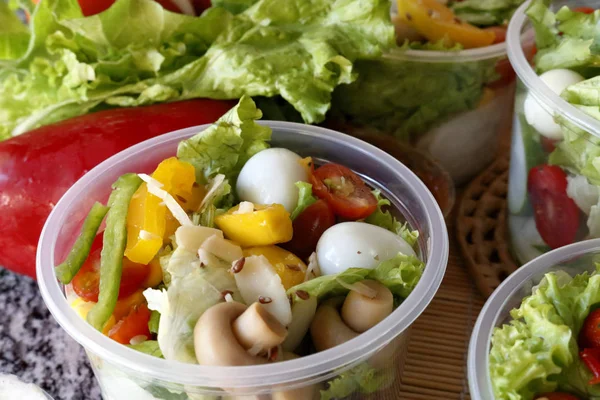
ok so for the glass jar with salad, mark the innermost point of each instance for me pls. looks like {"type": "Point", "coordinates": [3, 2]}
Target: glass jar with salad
{"type": "Point", "coordinates": [244, 260]}
{"type": "Point", "coordinates": [447, 87]}
{"type": "Point", "coordinates": [554, 185]}
{"type": "Point", "coordinates": [538, 335]}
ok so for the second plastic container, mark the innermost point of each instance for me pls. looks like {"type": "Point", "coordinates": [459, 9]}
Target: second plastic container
{"type": "Point", "coordinates": [126, 374]}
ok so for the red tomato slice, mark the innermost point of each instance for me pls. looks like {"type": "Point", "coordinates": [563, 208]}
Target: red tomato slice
{"type": "Point", "coordinates": [134, 324]}
{"type": "Point", "coordinates": [86, 282]}
{"type": "Point", "coordinates": [348, 196]}
{"type": "Point", "coordinates": [506, 72]}
{"type": "Point", "coordinates": [589, 337]}
{"type": "Point", "coordinates": [308, 228]}
{"type": "Point", "coordinates": [556, 396]}
{"type": "Point", "coordinates": [556, 214]}
{"type": "Point", "coordinates": [548, 145]}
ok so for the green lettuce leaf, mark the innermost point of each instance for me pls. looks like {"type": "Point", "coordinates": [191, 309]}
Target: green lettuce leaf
{"type": "Point", "coordinates": [406, 98]}
{"type": "Point", "coordinates": [538, 352]}
{"type": "Point", "coordinates": [362, 379]}
{"type": "Point", "coordinates": [73, 65]}
{"type": "Point", "coordinates": [14, 36]}
{"type": "Point", "coordinates": [485, 12]}
{"type": "Point", "coordinates": [305, 198]}
{"type": "Point", "coordinates": [383, 218]}
{"type": "Point", "coordinates": [234, 6]}
{"type": "Point", "coordinates": [149, 347]}
{"type": "Point", "coordinates": [400, 274]}
{"type": "Point", "coordinates": [154, 321]}
{"type": "Point", "coordinates": [192, 290]}
{"type": "Point", "coordinates": [225, 146]}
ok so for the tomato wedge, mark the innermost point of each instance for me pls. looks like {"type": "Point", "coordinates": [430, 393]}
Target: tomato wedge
{"type": "Point", "coordinates": [86, 282]}
{"type": "Point", "coordinates": [134, 324]}
{"type": "Point", "coordinates": [344, 191]}
{"type": "Point", "coordinates": [590, 333]}
{"type": "Point", "coordinates": [585, 10]}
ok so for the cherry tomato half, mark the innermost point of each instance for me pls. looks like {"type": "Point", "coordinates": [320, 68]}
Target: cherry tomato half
{"type": "Point", "coordinates": [556, 396]}
{"type": "Point", "coordinates": [92, 7]}
{"type": "Point", "coordinates": [308, 228]}
{"type": "Point", "coordinates": [556, 214]}
{"type": "Point", "coordinates": [590, 333]}
{"type": "Point", "coordinates": [86, 282]}
{"type": "Point", "coordinates": [134, 324]}
{"type": "Point", "coordinates": [548, 145]}
{"type": "Point", "coordinates": [348, 196]}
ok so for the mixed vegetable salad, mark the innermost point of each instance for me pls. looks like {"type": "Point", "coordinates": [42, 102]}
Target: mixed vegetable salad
{"type": "Point", "coordinates": [554, 191]}
{"type": "Point", "coordinates": [407, 94]}
{"type": "Point", "coordinates": [551, 347]}
{"type": "Point", "coordinates": [235, 253]}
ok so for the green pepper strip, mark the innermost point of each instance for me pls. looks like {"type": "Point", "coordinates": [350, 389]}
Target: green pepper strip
{"type": "Point", "coordinates": [111, 258]}
{"type": "Point", "coordinates": [81, 249]}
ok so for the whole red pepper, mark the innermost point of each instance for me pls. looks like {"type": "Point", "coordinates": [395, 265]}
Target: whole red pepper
{"type": "Point", "coordinates": [38, 167]}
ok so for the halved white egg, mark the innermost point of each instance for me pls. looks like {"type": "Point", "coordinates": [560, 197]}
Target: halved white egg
{"type": "Point", "coordinates": [357, 245]}
{"type": "Point", "coordinates": [540, 119]}
{"type": "Point", "coordinates": [270, 177]}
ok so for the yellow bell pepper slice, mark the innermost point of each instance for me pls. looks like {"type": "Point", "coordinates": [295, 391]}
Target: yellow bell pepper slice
{"type": "Point", "coordinates": [290, 268]}
{"type": "Point", "coordinates": [264, 226]}
{"type": "Point", "coordinates": [147, 213]}
{"type": "Point", "coordinates": [436, 22]}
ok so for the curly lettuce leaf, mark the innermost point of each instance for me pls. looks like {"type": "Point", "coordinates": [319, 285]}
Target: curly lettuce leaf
{"type": "Point", "coordinates": [14, 36]}
{"type": "Point", "coordinates": [406, 98]}
{"type": "Point", "coordinates": [400, 274]}
{"type": "Point", "coordinates": [73, 65]}
{"type": "Point", "coordinates": [383, 218]}
{"type": "Point", "coordinates": [149, 347]}
{"type": "Point", "coordinates": [485, 12]}
{"type": "Point", "coordinates": [305, 198]}
{"type": "Point", "coordinates": [538, 352]}
{"type": "Point", "coordinates": [225, 146]}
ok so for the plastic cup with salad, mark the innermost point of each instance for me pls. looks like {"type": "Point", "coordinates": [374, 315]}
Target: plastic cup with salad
{"type": "Point", "coordinates": [538, 336]}
{"type": "Point", "coordinates": [272, 260]}
{"type": "Point", "coordinates": [554, 184]}
{"type": "Point", "coordinates": [447, 87]}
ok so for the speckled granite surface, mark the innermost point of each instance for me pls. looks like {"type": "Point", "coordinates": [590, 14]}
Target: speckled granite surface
{"type": "Point", "coordinates": [35, 348]}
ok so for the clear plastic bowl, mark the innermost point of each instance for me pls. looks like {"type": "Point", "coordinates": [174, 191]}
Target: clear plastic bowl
{"type": "Point", "coordinates": [574, 259]}
{"type": "Point", "coordinates": [126, 374]}
{"type": "Point", "coordinates": [471, 120]}
{"type": "Point", "coordinates": [527, 148]}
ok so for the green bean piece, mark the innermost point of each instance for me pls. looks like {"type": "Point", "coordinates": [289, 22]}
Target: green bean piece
{"type": "Point", "coordinates": [111, 258]}
{"type": "Point", "coordinates": [81, 249]}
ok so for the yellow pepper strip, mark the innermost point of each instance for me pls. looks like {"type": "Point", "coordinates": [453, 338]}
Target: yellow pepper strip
{"type": "Point", "coordinates": [155, 276]}
{"type": "Point", "coordinates": [290, 268]}
{"type": "Point", "coordinates": [264, 226]}
{"type": "Point", "coordinates": [436, 22]}
{"type": "Point", "coordinates": [147, 213]}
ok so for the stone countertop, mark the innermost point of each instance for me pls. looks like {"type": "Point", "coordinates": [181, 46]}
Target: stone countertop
{"type": "Point", "coordinates": [35, 348]}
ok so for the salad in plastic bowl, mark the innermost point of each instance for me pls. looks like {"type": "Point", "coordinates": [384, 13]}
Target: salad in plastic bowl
{"type": "Point", "coordinates": [238, 254]}
{"type": "Point", "coordinates": [554, 192]}
{"type": "Point", "coordinates": [538, 335]}
{"type": "Point", "coordinates": [447, 87]}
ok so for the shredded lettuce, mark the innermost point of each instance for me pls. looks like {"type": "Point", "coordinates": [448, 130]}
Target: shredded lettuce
{"type": "Point", "coordinates": [384, 219]}
{"type": "Point", "coordinates": [485, 12]}
{"type": "Point", "coordinates": [362, 379]}
{"type": "Point", "coordinates": [538, 352]}
{"type": "Point", "coordinates": [149, 347]}
{"type": "Point", "coordinates": [305, 198]}
{"type": "Point", "coordinates": [400, 274]}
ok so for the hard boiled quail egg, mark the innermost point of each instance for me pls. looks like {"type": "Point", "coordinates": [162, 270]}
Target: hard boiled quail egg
{"type": "Point", "coordinates": [357, 245]}
{"type": "Point", "coordinates": [557, 80]}
{"type": "Point", "coordinates": [270, 177]}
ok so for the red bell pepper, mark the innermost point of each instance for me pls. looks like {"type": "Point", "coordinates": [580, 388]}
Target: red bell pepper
{"type": "Point", "coordinates": [38, 167]}
{"type": "Point", "coordinates": [591, 358]}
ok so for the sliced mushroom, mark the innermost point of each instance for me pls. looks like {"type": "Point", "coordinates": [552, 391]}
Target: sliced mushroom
{"type": "Point", "coordinates": [361, 313]}
{"type": "Point", "coordinates": [257, 329]}
{"type": "Point", "coordinates": [329, 329]}
{"type": "Point", "coordinates": [308, 392]}
{"type": "Point", "coordinates": [216, 343]}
